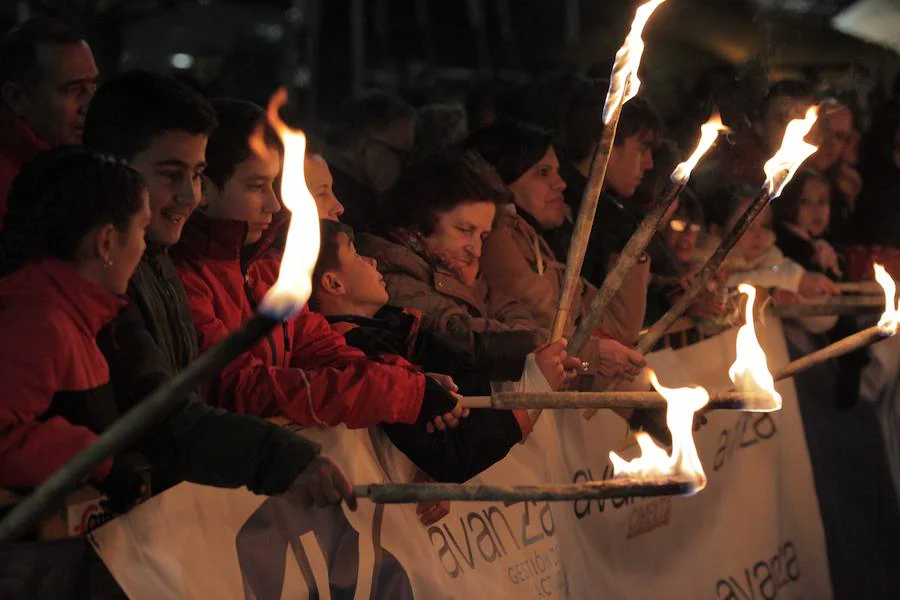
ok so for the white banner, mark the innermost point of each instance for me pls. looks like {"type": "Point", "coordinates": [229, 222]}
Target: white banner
{"type": "Point", "coordinates": [755, 532]}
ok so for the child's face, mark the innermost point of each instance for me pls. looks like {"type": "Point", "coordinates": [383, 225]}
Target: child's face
{"type": "Point", "coordinates": [365, 285]}
{"type": "Point", "coordinates": [682, 236]}
{"type": "Point", "coordinates": [759, 238]}
{"type": "Point", "coordinates": [814, 211]}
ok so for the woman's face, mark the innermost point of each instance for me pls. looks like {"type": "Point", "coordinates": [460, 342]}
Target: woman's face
{"type": "Point", "coordinates": [814, 210]}
{"type": "Point", "coordinates": [539, 192]}
{"type": "Point", "coordinates": [682, 235]}
{"type": "Point", "coordinates": [126, 249]}
{"type": "Point", "coordinates": [459, 234]}
{"type": "Point", "coordinates": [249, 195]}
{"type": "Point", "coordinates": [320, 182]}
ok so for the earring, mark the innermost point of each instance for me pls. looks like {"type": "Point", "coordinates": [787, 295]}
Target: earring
{"type": "Point", "coordinates": [107, 263]}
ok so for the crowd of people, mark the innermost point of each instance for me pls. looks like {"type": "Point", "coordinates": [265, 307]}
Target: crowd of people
{"type": "Point", "coordinates": [139, 227]}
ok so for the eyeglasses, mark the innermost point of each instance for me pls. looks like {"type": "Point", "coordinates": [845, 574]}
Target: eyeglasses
{"type": "Point", "coordinates": [681, 225]}
{"type": "Point", "coordinates": [402, 155]}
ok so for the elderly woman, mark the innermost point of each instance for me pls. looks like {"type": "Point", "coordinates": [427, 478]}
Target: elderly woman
{"type": "Point", "coordinates": [436, 220]}
{"type": "Point", "coordinates": [517, 259]}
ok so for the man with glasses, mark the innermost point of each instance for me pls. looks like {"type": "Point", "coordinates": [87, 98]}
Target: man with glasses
{"type": "Point", "coordinates": [367, 152]}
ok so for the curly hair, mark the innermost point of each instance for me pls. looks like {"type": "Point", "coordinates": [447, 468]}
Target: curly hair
{"type": "Point", "coordinates": [438, 184]}
{"type": "Point", "coordinates": [60, 196]}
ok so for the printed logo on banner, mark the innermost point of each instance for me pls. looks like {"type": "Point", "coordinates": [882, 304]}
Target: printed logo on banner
{"type": "Point", "coordinates": [494, 537]}
{"type": "Point", "coordinates": [763, 578]}
{"type": "Point", "coordinates": [749, 429]}
{"type": "Point", "coordinates": [582, 508]}
{"type": "Point", "coordinates": [276, 530]}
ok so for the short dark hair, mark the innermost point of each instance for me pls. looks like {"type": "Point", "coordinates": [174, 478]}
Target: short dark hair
{"type": "Point", "coordinates": [689, 206]}
{"type": "Point", "coordinates": [18, 48]}
{"type": "Point", "coordinates": [439, 183]}
{"type": "Point", "coordinates": [371, 112]}
{"type": "Point", "coordinates": [58, 197]}
{"type": "Point", "coordinates": [638, 116]}
{"type": "Point", "coordinates": [328, 255]}
{"type": "Point", "coordinates": [510, 147]}
{"type": "Point", "coordinates": [788, 204]}
{"type": "Point", "coordinates": [229, 143]}
{"type": "Point", "coordinates": [131, 109]}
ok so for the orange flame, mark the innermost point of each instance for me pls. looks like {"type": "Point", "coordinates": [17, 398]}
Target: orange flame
{"type": "Point", "coordinates": [750, 371]}
{"type": "Point", "coordinates": [890, 319]}
{"type": "Point", "coordinates": [294, 284]}
{"type": "Point", "coordinates": [623, 82]}
{"type": "Point", "coordinates": [654, 461]}
{"type": "Point", "coordinates": [709, 132]}
{"type": "Point", "coordinates": [782, 166]}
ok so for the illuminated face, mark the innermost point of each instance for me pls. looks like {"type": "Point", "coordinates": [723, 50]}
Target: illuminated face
{"type": "Point", "coordinates": [814, 207]}
{"type": "Point", "coordinates": [539, 192]}
{"type": "Point", "coordinates": [319, 182]}
{"type": "Point", "coordinates": [249, 195]}
{"type": "Point", "coordinates": [172, 167]}
{"type": "Point", "coordinates": [460, 233]}
{"type": "Point", "coordinates": [126, 250]}
{"type": "Point", "coordinates": [364, 285]}
{"type": "Point", "coordinates": [682, 234]}
{"type": "Point", "coordinates": [759, 238]}
{"type": "Point", "coordinates": [55, 98]}
{"type": "Point", "coordinates": [628, 163]}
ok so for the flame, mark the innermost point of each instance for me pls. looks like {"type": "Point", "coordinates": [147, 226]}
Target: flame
{"type": "Point", "coordinates": [294, 284]}
{"type": "Point", "coordinates": [654, 461]}
{"type": "Point", "coordinates": [623, 82]}
{"type": "Point", "coordinates": [750, 371]}
{"type": "Point", "coordinates": [890, 319]}
{"type": "Point", "coordinates": [782, 166]}
{"type": "Point", "coordinates": [709, 132]}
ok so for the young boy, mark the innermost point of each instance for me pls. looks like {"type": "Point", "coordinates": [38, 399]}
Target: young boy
{"type": "Point", "coordinates": [350, 292]}
{"type": "Point", "coordinates": [161, 128]}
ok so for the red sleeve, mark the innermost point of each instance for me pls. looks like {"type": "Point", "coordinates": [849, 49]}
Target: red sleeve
{"type": "Point", "coordinates": [34, 358]}
{"type": "Point", "coordinates": [328, 383]}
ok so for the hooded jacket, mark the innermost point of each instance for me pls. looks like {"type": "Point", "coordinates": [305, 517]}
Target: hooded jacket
{"type": "Point", "coordinates": [56, 393]}
{"type": "Point", "coordinates": [481, 439]}
{"type": "Point", "coordinates": [18, 145]}
{"type": "Point", "coordinates": [490, 327]}
{"type": "Point", "coordinates": [304, 370]}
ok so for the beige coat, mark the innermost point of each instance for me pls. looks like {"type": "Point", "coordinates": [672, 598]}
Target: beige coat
{"type": "Point", "coordinates": [518, 262]}
{"type": "Point", "coordinates": [506, 331]}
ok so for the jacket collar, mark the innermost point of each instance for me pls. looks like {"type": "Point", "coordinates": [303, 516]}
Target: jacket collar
{"type": "Point", "coordinates": [91, 306]}
{"type": "Point", "coordinates": [18, 141]}
{"type": "Point", "coordinates": [223, 239]}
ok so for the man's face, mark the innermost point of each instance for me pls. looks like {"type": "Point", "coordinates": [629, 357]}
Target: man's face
{"type": "Point", "coordinates": [172, 166]}
{"type": "Point", "coordinates": [54, 99]}
{"type": "Point", "coordinates": [363, 284]}
{"type": "Point", "coordinates": [383, 154]}
{"type": "Point", "coordinates": [780, 112]}
{"type": "Point", "coordinates": [628, 162]}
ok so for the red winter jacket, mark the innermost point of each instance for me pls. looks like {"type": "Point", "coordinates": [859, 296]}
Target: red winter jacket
{"type": "Point", "coordinates": [18, 145]}
{"type": "Point", "coordinates": [50, 366]}
{"type": "Point", "coordinates": [303, 370]}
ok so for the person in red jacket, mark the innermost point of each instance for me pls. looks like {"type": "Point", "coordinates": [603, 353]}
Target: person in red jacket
{"type": "Point", "coordinates": [71, 240]}
{"type": "Point", "coordinates": [304, 371]}
{"type": "Point", "coordinates": [47, 80]}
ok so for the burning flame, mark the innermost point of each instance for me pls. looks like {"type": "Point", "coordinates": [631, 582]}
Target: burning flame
{"type": "Point", "coordinates": [782, 166]}
{"type": "Point", "coordinates": [709, 132]}
{"type": "Point", "coordinates": [654, 461]}
{"type": "Point", "coordinates": [890, 319]}
{"type": "Point", "coordinates": [623, 82]}
{"type": "Point", "coordinates": [750, 371]}
{"type": "Point", "coordinates": [294, 284]}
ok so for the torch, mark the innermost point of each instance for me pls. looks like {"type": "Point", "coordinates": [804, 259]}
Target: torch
{"type": "Point", "coordinates": [286, 298]}
{"type": "Point", "coordinates": [887, 327]}
{"type": "Point", "coordinates": [779, 171]}
{"type": "Point", "coordinates": [636, 246]}
{"type": "Point", "coordinates": [623, 85]}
